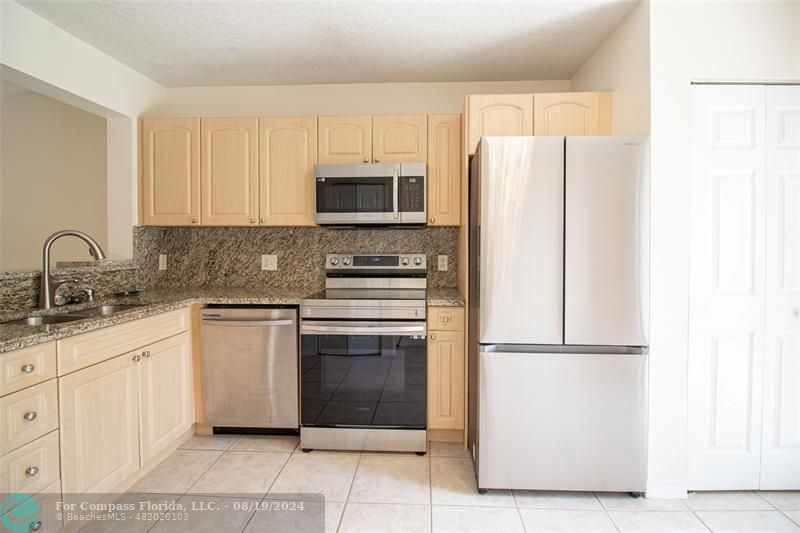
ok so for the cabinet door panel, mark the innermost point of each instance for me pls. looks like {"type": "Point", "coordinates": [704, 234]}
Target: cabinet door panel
{"type": "Point", "coordinates": [165, 389]}
{"type": "Point", "coordinates": [498, 114]}
{"type": "Point", "coordinates": [229, 171]}
{"type": "Point", "coordinates": [170, 171]}
{"type": "Point", "coordinates": [287, 154]}
{"type": "Point", "coordinates": [345, 139]}
{"type": "Point", "coordinates": [400, 138]}
{"type": "Point", "coordinates": [99, 428]}
{"type": "Point", "coordinates": [446, 380]}
{"type": "Point", "coordinates": [444, 170]}
{"type": "Point", "coordinates": [572, 113]}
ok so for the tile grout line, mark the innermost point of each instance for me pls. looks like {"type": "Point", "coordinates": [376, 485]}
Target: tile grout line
{"type": "Point", "coordinates": [697, 516]}
{"type": "Point", "coordinates": [266, 493]}
{"type": "Point", "coordinates": [204, 472]}
{"type": "Point", "coordinates": [605, 510]}
{"type": "Point", "coordinates": [789, 518]}
{"type": "Point", "coordinates": [350, 488]}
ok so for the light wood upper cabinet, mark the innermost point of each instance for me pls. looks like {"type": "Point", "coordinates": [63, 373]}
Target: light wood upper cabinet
{"type": "Point", "coordinates": [498, 114]}
{"type": "Point", "coordinates": [229, 171]}
{"type": "Point", "coordinates": [444, 170]}
{"type": "Point", "coordinates": [446, 380]}
{"type": "Point", "coordinates": [400, 138]}
{"type": "Point", "coordinates": [572, 113]}
{"type": "Point", "coordinates": [165, 393]}
{"type": "Point", "coordinates": [170, 171]}
{"type": "Point", "coordinates": [287, 154]}
{"type": "Point", "coordinates": [345, 139]}
{"type": "Point", "coordinates": [99, 410]}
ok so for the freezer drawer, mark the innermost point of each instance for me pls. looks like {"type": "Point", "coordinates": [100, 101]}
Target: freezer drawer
{"type": "Point", "coordinates": [562, 421]}
{"type": "Point", "coordinates": [606, 241]}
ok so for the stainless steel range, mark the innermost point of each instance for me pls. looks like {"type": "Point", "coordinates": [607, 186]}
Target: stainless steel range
{"type": "Point", "coordinates": [364, 355]}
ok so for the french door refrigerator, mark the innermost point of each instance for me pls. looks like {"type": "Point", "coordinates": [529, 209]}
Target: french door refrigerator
{"type": "Point", "coordinates": [558, 329]}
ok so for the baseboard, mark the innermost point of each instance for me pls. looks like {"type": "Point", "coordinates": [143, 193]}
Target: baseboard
{"type": "Point", "coordinates": [446, 435]}
{"type": "Point", "coordinates": [667, 489]}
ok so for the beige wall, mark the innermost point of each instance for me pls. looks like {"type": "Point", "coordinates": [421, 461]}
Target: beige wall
{"type": "Point", "coordinates": [335, 99]}
{"type": "Point", "coordinates": [622, 65]}
{"type": "Point", "coordinates": [52, 176]}
{"type": "Point", "coordinates": [746, 41]}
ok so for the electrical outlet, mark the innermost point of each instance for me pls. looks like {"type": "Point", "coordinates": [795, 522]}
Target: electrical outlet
{"type": "Point", "coordinates": [269, 262]}
{"type": "Point", "coordinates": [162, 261]}
{"type": "Point", "coordinates": [441, 263]}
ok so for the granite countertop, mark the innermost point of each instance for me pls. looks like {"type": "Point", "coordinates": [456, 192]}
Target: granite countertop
{"type": "Point", "coordinates": [445, 298]}
{"type": "Point", "coordinates": [158, 301]}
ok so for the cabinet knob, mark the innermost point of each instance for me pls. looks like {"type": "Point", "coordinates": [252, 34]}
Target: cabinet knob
{"type": "Point", "coordinates": [262, 220]}
{"type": "Point", "coordinates": [146, 353]}
{"type": "Point", "coordinates": [35, 526]}
{"type": "Point", "coordinates": [252, 221]}
{"type": "Point", "coordinates": [136, 358]}
{"type": "Point", "coordinates": [28, 369]}
{"type": "Point", "coordinates": [31, 471]}
{"type": "Point", "coordinates": [445, 319]}
{"type": "Point", "coordinates": [433, 220]}
{"type": "Point", "coordinates": [433, 336]}
{"type": "Point", "coordinates": [366, 160]}
{"type": "Point", "coordinates": [377, 160]}
{"type": "Point", "coordinates": [194, 221]}
{"type": "Point", "coordinates": [30, 416]}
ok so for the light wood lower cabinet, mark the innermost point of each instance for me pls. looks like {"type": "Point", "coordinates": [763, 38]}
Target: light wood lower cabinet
{"type": "Point", "coordinates": [446, 366]}
{"type": "Point", "coordinates": [117, 414]}
{"type": "Point", "coordinates": [165, 394]}
{"type": "Point", "coordinates": [99, 408]}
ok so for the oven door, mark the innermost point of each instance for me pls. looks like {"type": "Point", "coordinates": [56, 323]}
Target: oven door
{"type": "Point", "coordinates": [363, 374]}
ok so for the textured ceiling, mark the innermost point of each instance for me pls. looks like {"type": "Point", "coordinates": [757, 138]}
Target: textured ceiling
{"type": "Point", "coordinates": [268, 42]}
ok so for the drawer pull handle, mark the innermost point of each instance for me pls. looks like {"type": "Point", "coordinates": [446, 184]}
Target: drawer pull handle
{"type": "Point", "coordinates": [28, 369]}
{"type": "Point", "coordinates": [35, 526]}
{"type": "Point", "coordinates": [31, 471]}
{"type": "Point", "coordinates": [30, 416]}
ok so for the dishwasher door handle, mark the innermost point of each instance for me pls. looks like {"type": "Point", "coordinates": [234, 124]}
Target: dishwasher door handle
{"type": "Point", "coordinates": [247, 323]}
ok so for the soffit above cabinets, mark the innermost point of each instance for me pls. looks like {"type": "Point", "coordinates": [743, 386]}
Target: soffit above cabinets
{"type": "Point", "coordinates": [303, 42]}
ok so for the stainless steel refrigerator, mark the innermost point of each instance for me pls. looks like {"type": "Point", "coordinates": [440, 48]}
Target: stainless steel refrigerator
{"type": "Point", "coordinates": [558, 328]}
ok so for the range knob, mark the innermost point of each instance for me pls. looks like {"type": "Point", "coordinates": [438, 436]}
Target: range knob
{"type": "Point", "coordinates": [404, 261]}
{"type": "Point", "coordinates": [346, 260]}
{"type": "Point", "coordinates": [418, 261]}
{"type": "Point", "coordinates": [334, 261]}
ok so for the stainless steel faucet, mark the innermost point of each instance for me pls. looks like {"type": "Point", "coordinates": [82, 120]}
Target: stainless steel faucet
{"type": "Point", "coordinates": [48, 289]}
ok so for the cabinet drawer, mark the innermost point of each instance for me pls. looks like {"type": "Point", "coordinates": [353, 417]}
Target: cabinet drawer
{"type": "Point", "coordinates": [445, 319]}
{"type": "Point", "coordinates": [84, 350]}
{"type": "Point", "coordinates": [27, 415]}
{"type": "Point", "coordinates": [26, 367]}
{"type": "Point", "coordinates": [32, 468]}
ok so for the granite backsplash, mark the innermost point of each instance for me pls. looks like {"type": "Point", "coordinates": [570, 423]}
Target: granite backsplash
{"type": "Point", "coordinates": [19, 290]}
{"type": "Point", "coordinates": [231, 256]}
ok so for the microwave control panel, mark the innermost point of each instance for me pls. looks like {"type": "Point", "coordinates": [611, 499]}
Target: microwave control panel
{"type": "Point", "coordinates": [412, 194]}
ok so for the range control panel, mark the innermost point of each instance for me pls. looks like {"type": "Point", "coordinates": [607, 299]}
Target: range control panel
{"type": "Point", "coordinates": [378, 261]}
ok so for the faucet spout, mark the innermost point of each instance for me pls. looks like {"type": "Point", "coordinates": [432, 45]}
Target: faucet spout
{"type": "Point", "coordinates": [48, 288]}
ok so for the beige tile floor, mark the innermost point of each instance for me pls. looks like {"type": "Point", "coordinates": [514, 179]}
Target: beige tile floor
{"type": "Point", "coordinates": [371, 492]}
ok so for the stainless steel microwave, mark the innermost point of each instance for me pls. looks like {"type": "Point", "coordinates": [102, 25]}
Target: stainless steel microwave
{"type": "Point", "coordinates": [376, 194]}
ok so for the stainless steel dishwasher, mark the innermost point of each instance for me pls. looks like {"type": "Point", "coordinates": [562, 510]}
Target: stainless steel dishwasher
{"type": "Point", "coordinates": [249, 361]}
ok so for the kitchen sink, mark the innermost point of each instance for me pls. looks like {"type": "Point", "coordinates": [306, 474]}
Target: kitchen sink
{"type": "Point", "coordinates": [103, 310]}
{"type": "Point", "coordinates": [44, 320]}
{"type": "Point", "coordinates": [100, 310]}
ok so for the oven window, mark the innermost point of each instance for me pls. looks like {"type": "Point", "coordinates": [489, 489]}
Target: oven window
{"type": "Point", "coordinates": [363, 380]}
{"type": "Point", "coordinates": [355, 195]}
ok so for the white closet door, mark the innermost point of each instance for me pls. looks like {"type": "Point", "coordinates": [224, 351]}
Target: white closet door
{"type": "Point", "coordinates": [726, 339]}
{"type": "Point", "coordinates": [780, 464]}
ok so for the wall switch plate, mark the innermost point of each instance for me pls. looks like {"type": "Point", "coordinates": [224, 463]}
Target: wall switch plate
{"type": "Point", "coordinates": [441, 263]}
{"type": "Point", "coordinates": [269, 262]}
{"type": "Point", "coordinates": [162, 261]}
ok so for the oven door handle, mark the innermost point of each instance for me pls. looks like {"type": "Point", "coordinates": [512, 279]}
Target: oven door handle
{"type": "Point", "coordinates": [363, 330]}
{"type": "Point", "coordinates": [396, 193]}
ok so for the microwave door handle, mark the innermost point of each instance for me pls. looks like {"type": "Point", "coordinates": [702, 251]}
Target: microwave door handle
{"type": "Point", "coordinates": [396, 193]}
